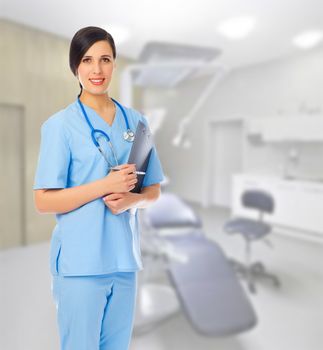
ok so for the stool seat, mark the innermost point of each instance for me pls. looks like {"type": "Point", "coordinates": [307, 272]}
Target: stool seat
{"type": "Point", "coordinates": [251, 229]}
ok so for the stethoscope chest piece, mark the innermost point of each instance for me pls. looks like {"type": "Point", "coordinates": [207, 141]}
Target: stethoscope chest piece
{"type": "Point", "coordinates": [129, 135]}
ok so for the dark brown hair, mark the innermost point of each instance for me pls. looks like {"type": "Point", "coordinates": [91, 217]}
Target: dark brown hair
{"type": "Point", "coordinates": [83, 40]}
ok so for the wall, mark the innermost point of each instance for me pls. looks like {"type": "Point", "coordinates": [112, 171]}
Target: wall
{"type": "Point", "coordinates": [35, 76]}
{"type": "Point", "coordinates": [288, 86]}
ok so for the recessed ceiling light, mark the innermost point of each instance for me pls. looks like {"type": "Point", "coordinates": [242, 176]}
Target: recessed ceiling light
{"type": "Point", "coordinates": [308, 39]}
{"type": "Point", "coordinates": [119, 34]}
{"type": "Point", "coordinates": [237, 27]}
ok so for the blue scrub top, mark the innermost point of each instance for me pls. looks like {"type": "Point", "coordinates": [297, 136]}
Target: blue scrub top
{"type": "Point", "coordinates": [90, 240]}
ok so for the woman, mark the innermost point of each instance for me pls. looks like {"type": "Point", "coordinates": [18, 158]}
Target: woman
{"type": "Point", "coordinates": [95, 250]}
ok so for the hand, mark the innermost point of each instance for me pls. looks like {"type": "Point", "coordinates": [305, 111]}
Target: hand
{"type": "Point", "coordinates": [122, 180]}
{"type": "Point", "coordinates": [120, 202]}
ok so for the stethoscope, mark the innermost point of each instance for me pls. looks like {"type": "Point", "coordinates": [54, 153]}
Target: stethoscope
{"type": "Point", "coordinates": [128, 135]}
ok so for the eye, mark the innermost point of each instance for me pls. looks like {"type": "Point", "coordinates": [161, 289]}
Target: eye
{"type": "Point", "coordinates": [86, 60]}
{"type": "Point", "coordinates": [106, 59]}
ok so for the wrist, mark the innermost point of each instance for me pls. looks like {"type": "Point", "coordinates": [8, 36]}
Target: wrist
{"type": "Point", "coordinates": [137, 199]}
{"type": "Point", "coordinates": [103, 186]}
{"type": "Point", "coordinates": [131, 200]}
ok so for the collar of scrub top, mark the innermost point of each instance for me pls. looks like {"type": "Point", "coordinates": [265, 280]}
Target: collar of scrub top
{"type": "Point", "coordinates": [128, 135]}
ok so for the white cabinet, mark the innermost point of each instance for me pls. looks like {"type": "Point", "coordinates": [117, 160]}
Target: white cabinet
{"type": "Point", "coordinates": [280, 129]}
{"type": "Point", "coordinates": [298, 204]}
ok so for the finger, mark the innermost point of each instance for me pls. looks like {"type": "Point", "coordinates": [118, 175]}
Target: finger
{"type": "Point", "coordinates": [112, 196]}
{"type": "Point", "coordinates": [126, 166]}
{"type": "Point", "coordinates": [111, 204]}
{"type": "Point", "coordinates": [107, 198]}
{"type": "Point", "coordinates": [112, 201]}
{"type": "Point", "coordinates": [132, 177]}
{"type": "Point", "coordinates": [122, 166]}
{"type": "Point", "coordinates": [130, 168]}
{"type": "Point", "coordinates": [133, 167]}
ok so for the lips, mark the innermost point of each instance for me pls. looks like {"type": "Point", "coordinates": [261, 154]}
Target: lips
{"type": "Point", "coordinates": [97, 81]}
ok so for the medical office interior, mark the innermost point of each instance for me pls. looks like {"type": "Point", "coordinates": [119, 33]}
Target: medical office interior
{"type": "Point", "coordinates": [233, 92]}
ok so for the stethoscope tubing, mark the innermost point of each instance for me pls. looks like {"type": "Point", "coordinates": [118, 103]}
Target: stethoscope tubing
{"type": "Point", "coordinates": [128, 135]}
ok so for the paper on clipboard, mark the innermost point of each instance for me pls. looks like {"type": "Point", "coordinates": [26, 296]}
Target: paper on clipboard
{"type": "Point", "coordinates": [140, 152]}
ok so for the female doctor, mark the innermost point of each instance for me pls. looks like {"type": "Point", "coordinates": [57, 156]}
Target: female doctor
{"type": "Point", "coordinates": [95, 249]}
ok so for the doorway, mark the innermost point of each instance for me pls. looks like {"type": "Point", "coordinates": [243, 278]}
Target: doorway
{"type": "Point", "coordinates": [225, 159]}
{"type": "Point", "coordinates": [12, 202]}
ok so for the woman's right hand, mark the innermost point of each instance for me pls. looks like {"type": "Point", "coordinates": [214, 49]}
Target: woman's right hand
{"type": "Point", "coordinates": [122, 180]}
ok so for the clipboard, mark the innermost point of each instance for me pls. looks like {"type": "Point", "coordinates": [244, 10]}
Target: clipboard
{"type": "Point", "coordinates": [140, 152]}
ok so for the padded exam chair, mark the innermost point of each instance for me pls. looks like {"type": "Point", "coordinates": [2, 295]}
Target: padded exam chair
{"type": "Point", "coordinates": [252, 230]}
{"type": "Point", "coordinates": [205, 282]}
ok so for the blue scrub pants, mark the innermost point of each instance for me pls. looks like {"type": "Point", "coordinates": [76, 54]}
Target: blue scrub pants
{"type": "Point", "coordinates": [95, 312]}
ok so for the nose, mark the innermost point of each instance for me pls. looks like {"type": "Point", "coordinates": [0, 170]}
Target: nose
{"type": "Point", "coordinates": [97, 67]}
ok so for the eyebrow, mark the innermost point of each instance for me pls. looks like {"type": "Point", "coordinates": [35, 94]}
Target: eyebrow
{"type": "Point", "coordinates": [101, 56]}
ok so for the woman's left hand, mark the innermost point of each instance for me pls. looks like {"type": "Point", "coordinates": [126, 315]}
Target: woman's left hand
{"type": "Point", "coordinates": [120, 202]}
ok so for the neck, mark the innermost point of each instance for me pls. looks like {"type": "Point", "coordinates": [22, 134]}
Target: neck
{"type": "Point", "coordinates": [97, 102]}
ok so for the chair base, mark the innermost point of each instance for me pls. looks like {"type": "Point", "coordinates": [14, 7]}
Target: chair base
{"type": "Point", "coordinates": [252, 273]}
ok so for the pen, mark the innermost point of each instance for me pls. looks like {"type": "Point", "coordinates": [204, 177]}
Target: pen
{"type": "Point", "coordinates": [136, 172]}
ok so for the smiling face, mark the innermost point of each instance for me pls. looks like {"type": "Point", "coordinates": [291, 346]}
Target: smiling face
{"type": "Point", "coordinates": [96, 67]}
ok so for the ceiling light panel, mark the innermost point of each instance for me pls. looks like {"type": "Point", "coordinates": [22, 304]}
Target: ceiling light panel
{"type": "Point", "coordinates": [308, 39]}
{"type": "Point", "coordinates": [237, 27]}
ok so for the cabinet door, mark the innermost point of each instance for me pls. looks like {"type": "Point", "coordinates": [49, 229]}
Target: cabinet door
{"type": "Point", "coordinates": [287, 204]}
{"type": "Point", "coordinates": [310, 216]}
{"type": "Point", "coordinates": [312, 129]}
{"type": "Point", "coordinates": [11, 177]}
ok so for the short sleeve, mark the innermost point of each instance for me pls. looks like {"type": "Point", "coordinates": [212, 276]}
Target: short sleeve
{"type": "Point", "coordinates": [154, 172]}
{"type": "Point", "coordinates": [54, 156]}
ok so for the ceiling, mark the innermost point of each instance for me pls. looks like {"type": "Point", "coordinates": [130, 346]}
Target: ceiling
{"type": "Point", "coordinates": [192, 22]}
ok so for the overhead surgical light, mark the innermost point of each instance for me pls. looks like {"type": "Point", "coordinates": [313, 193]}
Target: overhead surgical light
{"type": "Point", "coordinates": [308, 39]}
{"type": "Point", "coordinates": [165, 65]}
{"type": "Point", "coordinates": [237, 27]}
{"type": "Point", "coordinates": [168, 64]}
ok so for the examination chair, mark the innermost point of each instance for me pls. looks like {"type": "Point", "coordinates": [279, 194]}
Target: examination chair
{"type": "Point", "coordinates": [252, 230]}
{"type": "Point", "coordinates": [205, 283]}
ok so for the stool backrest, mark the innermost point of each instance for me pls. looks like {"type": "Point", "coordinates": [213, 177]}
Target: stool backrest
{"type": "Point", "coordinates": [258, 199]}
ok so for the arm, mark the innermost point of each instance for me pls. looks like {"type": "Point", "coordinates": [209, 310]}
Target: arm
{"type": "Point", "coordinates": [148, 196]}
{"type": "Point", "coordinates": [64, 200]}
{"type": "Point", "coordinates": [120, 202]}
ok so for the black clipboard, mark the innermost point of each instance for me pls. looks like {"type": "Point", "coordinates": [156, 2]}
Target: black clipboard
{"type": "Point", "coordinates": [140, 152]}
